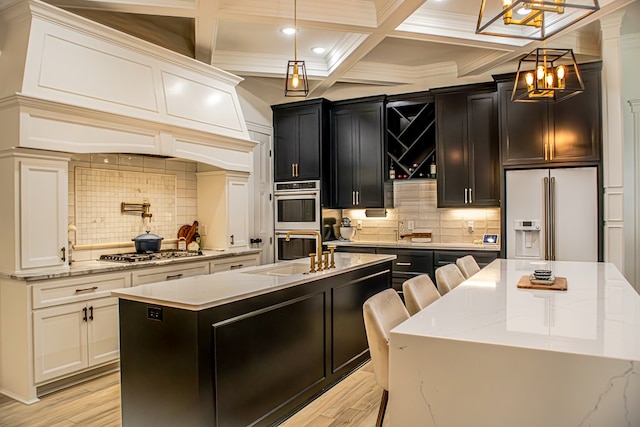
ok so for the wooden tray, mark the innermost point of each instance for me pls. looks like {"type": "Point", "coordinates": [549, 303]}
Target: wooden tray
{"type": "Point", "coordinates": [559, 285]}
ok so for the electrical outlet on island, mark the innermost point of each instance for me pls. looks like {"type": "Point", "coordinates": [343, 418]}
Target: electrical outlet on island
{"type": "Point", "coordinates": [410, 225]}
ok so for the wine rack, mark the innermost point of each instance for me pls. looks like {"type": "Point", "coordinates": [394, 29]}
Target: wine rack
{"type": "Point", "coordinates": [411, 138]}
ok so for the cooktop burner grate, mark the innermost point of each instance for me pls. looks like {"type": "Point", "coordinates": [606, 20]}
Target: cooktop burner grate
{"type": "Point", "coordinates": [151, 256]}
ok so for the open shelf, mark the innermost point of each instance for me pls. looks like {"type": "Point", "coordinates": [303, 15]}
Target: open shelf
{"type": "Point", "coordinates": [411, 137]}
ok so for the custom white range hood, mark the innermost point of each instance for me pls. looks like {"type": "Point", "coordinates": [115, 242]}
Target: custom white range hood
{"type": "Point", "coordinates": [72, 85]}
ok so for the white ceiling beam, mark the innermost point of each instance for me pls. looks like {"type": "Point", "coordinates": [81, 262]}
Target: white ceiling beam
{"type": "Point", "coordinates": [399, 15]}
{"type": "Point", "coordinates": [206, 31]}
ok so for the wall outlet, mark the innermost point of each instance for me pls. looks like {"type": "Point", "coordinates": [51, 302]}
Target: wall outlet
{"type": "Point", "coordinates": [410, 225]}
{"type": "Point", "coordinates": [359, 224]}
{"type": "Point", "coordinates": [203, 230]}
{"type": "Point", "coordinates": [470, 226]}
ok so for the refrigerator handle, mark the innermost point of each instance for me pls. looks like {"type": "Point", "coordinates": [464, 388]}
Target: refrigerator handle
{"type": "Point", "coordinates": [552, 216]}
{"type": "Point", "coordinates": [546, 225]}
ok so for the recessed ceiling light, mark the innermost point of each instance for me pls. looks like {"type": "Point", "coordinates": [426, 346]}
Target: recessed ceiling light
{"type": "Point", "coordinates": [318, 50]}
{"type": "Point", "coordinates": [288, 30]}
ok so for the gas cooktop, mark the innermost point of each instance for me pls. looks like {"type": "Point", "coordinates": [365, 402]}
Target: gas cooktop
{"type": "Point", "coordinates": [150, 256]}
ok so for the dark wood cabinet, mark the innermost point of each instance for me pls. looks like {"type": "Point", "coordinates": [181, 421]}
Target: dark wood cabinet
{"type": "Point", "coordinates": [300, 142]}
{"type": "Point", "coordinates": [357, 157]}
{"type": "Point", "coordinates": [253, 361]}
{"type": "Point", "coordinates": [468, 147]}
{"type": "Point", "coordinates": [566, 132]}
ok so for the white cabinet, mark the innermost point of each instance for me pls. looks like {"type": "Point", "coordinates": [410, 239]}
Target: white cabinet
{"type": "Point", "coordinates": [72, 337]}
{"type": "Point", "coordinates": [43, 208]}
{"type": "Point", "coordinates": [75, 324]}
{"type": "Point", "coordinates": [34, 212]}
{"type": "Point", "coordinates": [223, 209]}
{"type": "Point", "coordinates": [169, 272]}
{"type": "Point", "coordinates": [234, 263]}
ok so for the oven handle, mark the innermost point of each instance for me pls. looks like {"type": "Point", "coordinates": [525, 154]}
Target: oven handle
{"type": "Point", "coordinates": [314, 194]}
{"type": "Point", "coordinates": [304, 236]}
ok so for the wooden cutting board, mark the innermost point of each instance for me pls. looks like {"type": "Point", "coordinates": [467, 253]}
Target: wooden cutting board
{"type": "Point", "coordinates": [559, 285]}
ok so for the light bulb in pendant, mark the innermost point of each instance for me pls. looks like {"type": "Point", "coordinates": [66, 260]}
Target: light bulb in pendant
{"type": "Point", "coordinates": [295, 79]}
{"type": "Point", "coordinates": [549, 79]}
{"type": "Point", "coordinates": [529, 79]}
{"type": "Point", "coordinates": [540, 72]}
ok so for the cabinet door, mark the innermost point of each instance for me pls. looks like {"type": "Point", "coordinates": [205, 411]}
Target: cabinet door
{"type": "Point", "coordinates": [238, 212]}
{"type": "Point", "coordinates": [308, 144]}
{"type": "Point", "coordinates": [60, 341]}
{"type": "Point", "coordinates": [523, 132]}
{"type": "Point", "coordinates": [453, 169]}
{"type": "Point", "coordinates": [285, 144]}
{"type": "Point", "coordinates": [577, 124]}
{"type": "Point", "coordinates": [483, 150]}
{"type": "Point", "coordinates": [344, 159]}
{"type": "Point", "coordinates": [43, 207]}
{"type": "Point", "coordinates": [102, 340]}
{"type": "Point", "coordinates": [369, 148]}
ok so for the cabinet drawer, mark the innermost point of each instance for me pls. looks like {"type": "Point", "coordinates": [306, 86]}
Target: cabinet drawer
{"type": "Point", "coordinates": [483, 258]}
{"type": "Point", "coordinates": [169, 272]}
{"type": "Point", "coordinates": [63, 291]}
{"type": "Point", "coordinates": [234, 263]}
{"type": "Point", "coordinates": [409, 261]}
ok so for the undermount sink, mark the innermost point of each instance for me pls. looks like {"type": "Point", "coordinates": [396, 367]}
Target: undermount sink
{"type": "Point", "coordinates": [282, 270]}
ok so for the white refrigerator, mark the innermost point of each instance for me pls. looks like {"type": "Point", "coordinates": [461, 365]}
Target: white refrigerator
{"type": "Point", "coordinates": [552, 214]}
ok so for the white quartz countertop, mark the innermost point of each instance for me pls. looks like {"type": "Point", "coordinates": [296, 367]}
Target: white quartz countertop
{"type": "Point", "coordinates": [598, 315]}
{"type": "Point", "coordinates": [415, 245]}
{"type": "Point", "coordinates": [80, 268]}
{"type": "Point", "coordinates": [202, 292]}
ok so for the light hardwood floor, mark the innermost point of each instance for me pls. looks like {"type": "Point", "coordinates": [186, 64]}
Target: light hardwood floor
{"type": "Point", "coordinates": [352, 402]}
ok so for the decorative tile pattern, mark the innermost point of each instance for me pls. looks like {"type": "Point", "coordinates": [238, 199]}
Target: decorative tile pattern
{"type": "Point", "coordinates": [98, 183]}
{"type": "Point", "coordinates": [416, 201]}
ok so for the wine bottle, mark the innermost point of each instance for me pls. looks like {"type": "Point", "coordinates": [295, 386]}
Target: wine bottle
{"type": "Point", "coordinates": [432, 168]}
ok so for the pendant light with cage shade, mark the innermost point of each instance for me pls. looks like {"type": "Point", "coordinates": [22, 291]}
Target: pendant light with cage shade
{"type": "Point", "coordinates": [296, 83]}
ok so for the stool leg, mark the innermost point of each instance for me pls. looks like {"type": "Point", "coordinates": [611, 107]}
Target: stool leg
{"type": "Point", "coordinates": [383, 407]}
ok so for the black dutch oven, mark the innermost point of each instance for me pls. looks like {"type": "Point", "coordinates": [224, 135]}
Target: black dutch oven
{"type": "Point", "coordinates": [147, 242]}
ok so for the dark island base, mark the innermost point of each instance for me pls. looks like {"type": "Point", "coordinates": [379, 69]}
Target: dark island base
{"type": "Point", "coordinates": [251, 362]}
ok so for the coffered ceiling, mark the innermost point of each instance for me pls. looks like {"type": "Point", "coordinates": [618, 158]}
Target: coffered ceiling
{"type": "Point", "coordinates": [371, 46]}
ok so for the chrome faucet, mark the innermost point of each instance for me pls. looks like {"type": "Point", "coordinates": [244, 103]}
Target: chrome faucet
{"type": "Point", "coordinates": [313, 256]}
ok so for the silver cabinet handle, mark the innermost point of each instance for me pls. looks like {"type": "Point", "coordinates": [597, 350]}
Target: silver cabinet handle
{"type": "Point", "coordinates": [357, 197]}
{"type": "Point", "coordinates": [174, 276]}
{"type": "Point", "coordinates": [297, 170]}
{"type": "Point", "coordinates": [293, 169]}
{"type": "Point", "coordinates": [466, 198]}
{"type": "Point", "coordinates": [470, 195]}
{"type": "Point", "coordinates": [353, 198]}
{"type": "Point", "coordinates": [403, 264]}
{"type": "Point", "coordinates": [91, 289]}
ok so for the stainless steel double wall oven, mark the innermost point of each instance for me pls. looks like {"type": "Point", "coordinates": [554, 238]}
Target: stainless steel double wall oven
{"type": "Point", "coordinates": [297, 207]}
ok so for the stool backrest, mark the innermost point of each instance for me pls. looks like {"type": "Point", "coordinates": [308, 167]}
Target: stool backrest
{"type": "Point", "coordinates": [382, 312]}
{"type": "Point", "coordinates": [418, 293]}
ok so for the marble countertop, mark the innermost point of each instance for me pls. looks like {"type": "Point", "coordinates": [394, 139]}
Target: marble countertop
{"type": "Point", "coordinates": [415, 245]}
{"type": "Point", "coordinates": [598, 315]}
{"type": "Point", "coordinates": [202, 292]}
{"type": "Point", "coordinates": [80, 268]}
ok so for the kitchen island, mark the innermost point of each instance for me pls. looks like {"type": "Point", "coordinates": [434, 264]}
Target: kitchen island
{"type": "Point", "coordinates": [244, 347]}
{"type": "Point", "coordinates": [491, 354]}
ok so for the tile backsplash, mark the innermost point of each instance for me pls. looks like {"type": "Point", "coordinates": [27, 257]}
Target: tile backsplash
{"type": "Point", "coordinates": [416, 201]}
{"type": "Point", "coordinates": [98, 183]}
